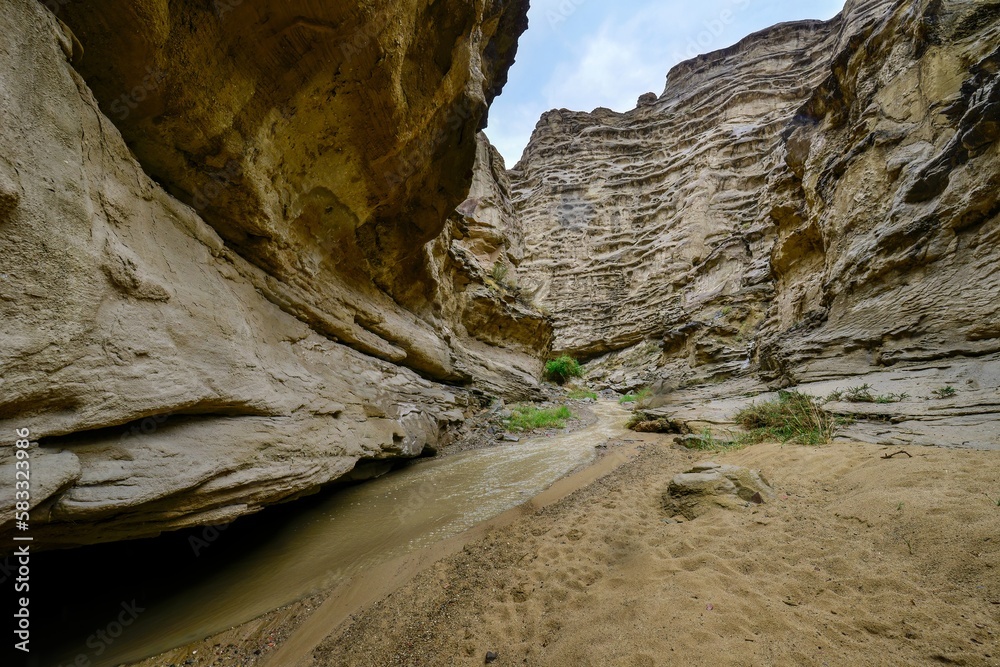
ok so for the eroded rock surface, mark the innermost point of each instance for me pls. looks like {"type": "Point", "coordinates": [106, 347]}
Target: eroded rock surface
{"type": "Point", "coordinates": [288, 297]}
{"type": "Point", "coordinates": [818, 202]}
{"type": "Point", "coordinates": [326, 143]}
{"type": "Point", "coordinates": [250, 244]}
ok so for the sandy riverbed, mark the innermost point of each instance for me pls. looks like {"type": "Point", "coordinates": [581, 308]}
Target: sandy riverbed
{"type": "Point", "coordinates": [859, 561]}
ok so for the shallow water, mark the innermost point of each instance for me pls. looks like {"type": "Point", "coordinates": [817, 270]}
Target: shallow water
{"type": "Point", "coordinates": [349, 530]}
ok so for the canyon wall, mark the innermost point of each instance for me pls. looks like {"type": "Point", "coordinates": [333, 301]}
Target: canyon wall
{"type": "Point", "coordinates": [255, 247]}
{"type": "Point", "coordinates": [818, 203]}
{"type": "Point", "coordinates": [234, 269]}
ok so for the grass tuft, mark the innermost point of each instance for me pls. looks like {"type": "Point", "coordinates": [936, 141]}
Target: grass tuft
{"type": "Point", "coordinates": [529, 417]}
{"type": "Point", "coordinates": [500, 272]}
{"type": "Point", "coordinates": [561, 369]}
{"type": "Point", "coordinates": [863, 394]}
{"type": "Point", "coordinates": [792, 417]}
{"type": "Point", "coordinates": [944, 392]}
{"type": "Point", "coordinates": [579, 394]}
{"type": "Point", "coordinates": [635, 396]}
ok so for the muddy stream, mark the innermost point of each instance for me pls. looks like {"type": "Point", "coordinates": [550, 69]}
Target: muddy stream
{"type": "Point", "coordinates": [211, 581]}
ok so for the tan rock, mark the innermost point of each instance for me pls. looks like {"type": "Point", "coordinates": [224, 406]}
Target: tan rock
{"type": "Point", "coordinates": [818, 202]}
{"type": "Point", "coordinates": [180, 372]}
{"type": "Point", "coordinates": [326, 143]}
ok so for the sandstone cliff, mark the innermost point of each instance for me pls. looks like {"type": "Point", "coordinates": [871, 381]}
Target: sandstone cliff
{"type": "Point", "coordinates": [255, 247]}
{"type": "Point", "coordinates": [816, 204]}
{"type": "Point", "coordinates": [233, 269]}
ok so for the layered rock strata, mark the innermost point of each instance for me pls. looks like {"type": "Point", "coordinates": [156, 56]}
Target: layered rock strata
{"type": "Point", "coordinates": [253, 279]}
{"type": "Point", "coordinates": [646, 214]}
{"type": "Point", "coordinates": [818, 202]}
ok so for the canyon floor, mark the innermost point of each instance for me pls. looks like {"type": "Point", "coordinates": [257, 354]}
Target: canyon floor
{"type": "Point", "coordinates": [859, 560]}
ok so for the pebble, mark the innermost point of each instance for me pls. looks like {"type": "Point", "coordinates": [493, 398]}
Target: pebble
{"type": "Point", "coordinates": [490, 657]}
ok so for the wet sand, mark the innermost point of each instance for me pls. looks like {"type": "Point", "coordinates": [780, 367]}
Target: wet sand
{"type": "Point", "coordinates": [858, 561]}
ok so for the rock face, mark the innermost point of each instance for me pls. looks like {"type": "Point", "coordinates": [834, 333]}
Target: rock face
{"type": "Point", "coordinates": [817, 202]}
{"type": "Point", "coordinates": [944, 403]}
{"type": "Point", "coordinates": [251, 245]}
{"type": "Point", "coordinates": [275, 286]}
{"type": "Point", "coordinates": [325, 143]}
{"type": "Point", "coordinates": [646, 212]}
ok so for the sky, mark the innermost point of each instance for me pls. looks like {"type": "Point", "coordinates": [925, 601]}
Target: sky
{"type": "Point", "coordinates": [584, 54]}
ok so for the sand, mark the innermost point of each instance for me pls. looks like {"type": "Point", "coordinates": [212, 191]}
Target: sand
{"type": "Point", "coordinates": [859, 561]}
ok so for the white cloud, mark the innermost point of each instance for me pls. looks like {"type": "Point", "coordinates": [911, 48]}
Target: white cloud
{"type": "Point", "coordinates": [596, 53]}
{"type": "Point", "coordinates": [612, 67]}
{"type": "Point", "coordinates": [626, 58]}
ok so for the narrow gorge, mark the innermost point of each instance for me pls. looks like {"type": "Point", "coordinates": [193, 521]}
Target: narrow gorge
{"type": "Point", "coordinates": [258, 250]}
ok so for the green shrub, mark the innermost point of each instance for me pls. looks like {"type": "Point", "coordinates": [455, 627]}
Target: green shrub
{"type": "Point", "coordinates": [944, 392]}
{"type": "Point", "coordinates": [792, 417]}
{"type": "Point", "coordinates": [633, 397]}
{"type": "Point", "coordinates": [529, 417]}
{"type": "Point", "coordinates": [563, 368]}
{"type": "Point", "coordinates": [860, 394]}
{"type": "Point", "coordinates": [863, 394]}
{"type": "Point", "coordinates": [578, 394]}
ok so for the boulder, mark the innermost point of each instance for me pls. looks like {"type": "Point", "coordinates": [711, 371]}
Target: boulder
{"type": "Point", "coordinates": [711, 485]}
